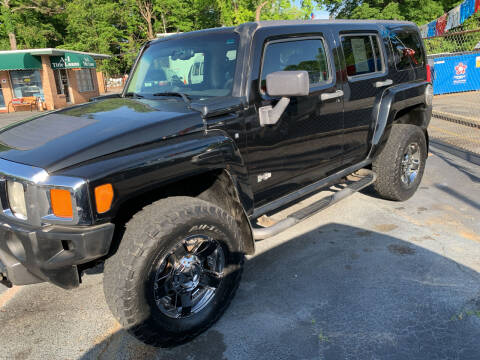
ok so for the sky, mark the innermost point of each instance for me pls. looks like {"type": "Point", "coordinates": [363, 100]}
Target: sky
{"type": "Point", "coordinates": [319, 14]}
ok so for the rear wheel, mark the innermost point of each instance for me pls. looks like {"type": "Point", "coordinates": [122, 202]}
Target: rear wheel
{"type": "Point", "coordinates": [176, 270]}
{"type": "Point", "coordinates": [401, 163]}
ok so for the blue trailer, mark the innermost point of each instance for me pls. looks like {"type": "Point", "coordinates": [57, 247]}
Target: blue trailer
{"type": "Point", "coordinates": [456, 73]}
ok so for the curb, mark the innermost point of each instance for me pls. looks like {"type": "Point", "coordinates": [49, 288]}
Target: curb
{"type": "Point", "coordinates": [459, 119]}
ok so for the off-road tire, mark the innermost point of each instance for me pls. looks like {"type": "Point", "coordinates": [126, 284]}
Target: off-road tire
{"type": "Point", "coordinates": [388, 163]}
{"type": "Point", "coordinates": [154, 230]}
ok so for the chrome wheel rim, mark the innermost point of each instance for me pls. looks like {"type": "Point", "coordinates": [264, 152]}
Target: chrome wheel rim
{"type": "Point", "coordinates": [188, 278]}
{"type": "Point", "coordinates": [410, 164]}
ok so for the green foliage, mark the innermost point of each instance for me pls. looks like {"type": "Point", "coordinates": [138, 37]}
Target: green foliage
{"type": "Point", "coordinates": [100, 26]}
{"type": "Point", "coordinates": [36, 24]}
{"type": "Point", "coordinates": [419, 11]}
{"type": "Point", "coordinates": [453, 42]}
{"type": "Point", "coordinates": [117, 27]}
{"type": "Point", "coordinates": [7, 21]}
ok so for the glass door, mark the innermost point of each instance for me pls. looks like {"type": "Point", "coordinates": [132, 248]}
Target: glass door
{"type": "Point", "coordinates": [65, 85]}
{"type": "Point", "coordinates": [2, 100]}
{"type": "Point", "coordinates": [61, 81]}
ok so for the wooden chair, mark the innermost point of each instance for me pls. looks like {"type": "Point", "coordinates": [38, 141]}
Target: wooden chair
{"type": "Point", "coordinates": [30, 101]}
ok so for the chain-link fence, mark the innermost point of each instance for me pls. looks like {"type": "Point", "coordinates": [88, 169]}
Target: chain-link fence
{"type": "Point", "coordinates": [456, 82]}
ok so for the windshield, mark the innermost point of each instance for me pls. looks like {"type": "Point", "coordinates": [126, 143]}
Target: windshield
{"type": "Point", "coordinates": [197, 66]}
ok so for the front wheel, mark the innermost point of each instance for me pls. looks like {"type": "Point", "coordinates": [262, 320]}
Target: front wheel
{"type": "Point", "coordinates": [401, 163]}
{"type": "Point", "coordinates": [176, 270]}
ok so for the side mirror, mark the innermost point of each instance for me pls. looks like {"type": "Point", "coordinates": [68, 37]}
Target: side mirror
{"type": "Point", "coordinates": [284, 84]}
{"type": "Point", "coordinates": [288, 83]}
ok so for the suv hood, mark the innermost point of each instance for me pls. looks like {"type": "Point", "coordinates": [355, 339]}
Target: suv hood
{"type": "Point", "coordinates": [70, 136]}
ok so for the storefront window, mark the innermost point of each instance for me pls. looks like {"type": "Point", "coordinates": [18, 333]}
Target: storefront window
{"type": "Point", "coordinates": [84, 80]}
{"type": "Point", "coordinates": [27, 83]}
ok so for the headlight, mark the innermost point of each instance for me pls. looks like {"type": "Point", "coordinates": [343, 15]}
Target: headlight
{"type": "Point", "coordinates": [16, 199]}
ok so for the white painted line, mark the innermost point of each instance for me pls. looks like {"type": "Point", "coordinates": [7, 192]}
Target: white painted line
{"type": "Point", "coordinates": [8, 295]}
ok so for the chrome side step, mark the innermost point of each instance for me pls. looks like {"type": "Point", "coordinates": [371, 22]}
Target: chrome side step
{"type": "Point", "coordinates": [365, 180]}
{"type": "Point", "coordinates": [316, 186]}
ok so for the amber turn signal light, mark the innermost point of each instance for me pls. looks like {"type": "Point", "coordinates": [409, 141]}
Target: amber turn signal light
{"type": "Point", "coordinates": [103, 198]}
{"type": "Point", "coordinates": [61, 203]}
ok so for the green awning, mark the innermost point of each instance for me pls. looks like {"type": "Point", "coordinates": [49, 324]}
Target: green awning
{"type": "Point", "coordinates": [19, 61]}
{"type": "Point", "coordinates": [72, 61]}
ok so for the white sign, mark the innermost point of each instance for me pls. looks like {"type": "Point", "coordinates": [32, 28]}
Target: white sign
{"type": "Point", "coordinates": [360, 55]}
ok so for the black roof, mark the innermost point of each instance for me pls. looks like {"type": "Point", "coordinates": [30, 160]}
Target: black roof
{"type": "Point", "coordinates": [197, 32]}
{"type": "Point", "coordinates": [329, 22]}
{"type": "Point", "coordinates": [253, 26]}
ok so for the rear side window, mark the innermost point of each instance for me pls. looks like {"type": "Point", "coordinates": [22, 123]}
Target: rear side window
{"type": "Point", "coordinates": [308, 55]}
{"type": "Point", "coordinates": [408, 50]}
{"type": "Point", "coordinates": [362, 54]}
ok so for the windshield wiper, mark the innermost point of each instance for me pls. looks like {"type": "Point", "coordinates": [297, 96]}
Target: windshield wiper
{"type": "Point", "coordinates": [134, 95]}
{"type": "Point", "coordinates": [172, 93]}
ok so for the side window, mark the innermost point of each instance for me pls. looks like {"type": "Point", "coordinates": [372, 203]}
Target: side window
{"type": "Point", "coordinates": [408, 50]}
{"type": "Point", "coordinates": [362, 54]}
{"type": "Point", "coordinates": [308, 55]}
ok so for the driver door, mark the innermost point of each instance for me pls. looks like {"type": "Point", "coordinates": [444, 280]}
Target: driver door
{"type": "Point", "coordinates": [306, 144]}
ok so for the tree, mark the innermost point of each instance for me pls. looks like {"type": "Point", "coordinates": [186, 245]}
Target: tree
{"type": "Point", "coordinates": [8, 23]}
{"type": "Point", "coordinates": [120, 27]}
{"type": "Point", "coordinates": [419, 11]}
{"type": "Point", "coordinates": [145, 7]}
{"type": "Point", "coordinates": [32, 20]}
{"type": "Point", "coordinates": [259, 10]}
{"type": "Point", "coordinates": [106, 27]}
{"type": "Point", "coordinates": [452, 42]}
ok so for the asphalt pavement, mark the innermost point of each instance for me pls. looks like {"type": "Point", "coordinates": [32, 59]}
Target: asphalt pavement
{"type": "Point", "coordinates": [10, 118]}
{"type": "Point", "coordinates": [463, 105]}
{"type": "Point", "coordinates": [366, 279]}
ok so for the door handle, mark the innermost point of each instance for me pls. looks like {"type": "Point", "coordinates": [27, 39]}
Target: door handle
{"type": "Point", "coordinates": [380, 84]}
{"type": "Point", "coordinates": [333, 95]}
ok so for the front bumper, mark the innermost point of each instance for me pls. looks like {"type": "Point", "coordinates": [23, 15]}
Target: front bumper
{"type": "Point", "coordinates": [30, 255]}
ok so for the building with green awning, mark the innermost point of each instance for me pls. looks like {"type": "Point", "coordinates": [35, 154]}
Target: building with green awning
{"type": "Point", "coordinates": [53, 78]}
{"type": "Point", "coordinates": [73, 61]}
{"type": "Point", "coordinates": [20, 61]}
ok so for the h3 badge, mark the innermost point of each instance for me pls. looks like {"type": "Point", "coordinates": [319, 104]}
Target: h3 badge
{"type": "Point", "coordinates": [264, 176]}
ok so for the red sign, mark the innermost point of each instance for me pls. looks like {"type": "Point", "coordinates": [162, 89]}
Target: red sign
{"type": "Point", "coordinates": [460, 68]}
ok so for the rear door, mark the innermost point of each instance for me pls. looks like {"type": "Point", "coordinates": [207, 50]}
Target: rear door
{"type": "Point", "coordinates": [364, 55]}
{"type": "Point", "coordinates": [307, 142]}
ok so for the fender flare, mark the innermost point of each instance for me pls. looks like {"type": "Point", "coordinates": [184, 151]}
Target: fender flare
{"type": "Point", "coordinates": [224, 154]}
{"type": "Point", "coordinates": [392, 100]}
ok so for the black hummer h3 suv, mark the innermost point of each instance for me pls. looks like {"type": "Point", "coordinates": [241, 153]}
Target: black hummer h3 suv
{"type": "Point", "coordinates": [213, 129]}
